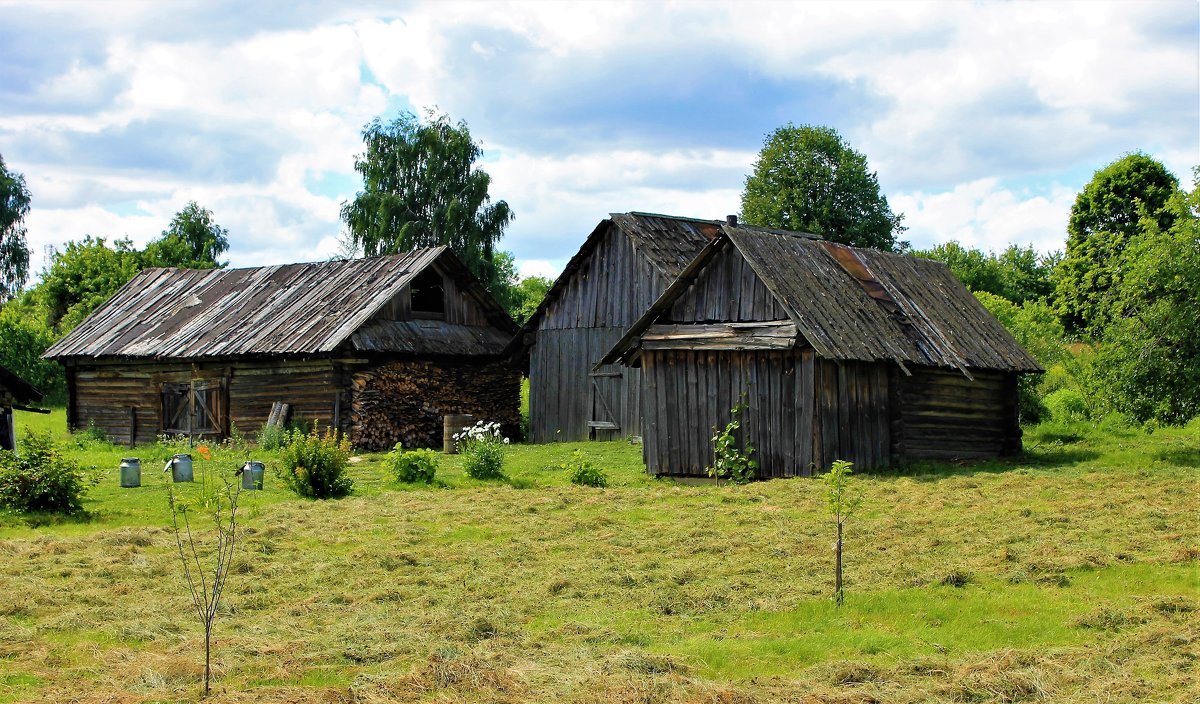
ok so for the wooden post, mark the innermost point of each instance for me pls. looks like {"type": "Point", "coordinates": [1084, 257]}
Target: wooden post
{"type": "Point", "coordinates": [837, 580]}
{"type": "Point", "coordinates": [337, 414]}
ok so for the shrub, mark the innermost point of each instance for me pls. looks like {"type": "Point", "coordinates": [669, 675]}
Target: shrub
{"type": "Point", "coordinates": [42, 479]}
{"type": "Point", "coordinates": [413, 466]}
{"type": "Point", "coordinates": [583, 472]}
{"type": "Point", "coordinates": [1066, 405]}
{"type": "Point", "coordinates": [482, 448]}
{"type": "Point", "coordinates": [314, 464]}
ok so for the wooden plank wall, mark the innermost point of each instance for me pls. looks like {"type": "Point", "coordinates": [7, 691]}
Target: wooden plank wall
{"type": "Point", "coordinates": [803, 412]}
{"type": "Point", "coordinates": [461, 307]}
{"type": "Point", "coordinates": [613, 288]}
{"type": "Point", "coordinates": [945, 415]}
{"type": "Point", "coordinates": [727, 290]}
{"type": "Point", "coordinates": [560, 388]}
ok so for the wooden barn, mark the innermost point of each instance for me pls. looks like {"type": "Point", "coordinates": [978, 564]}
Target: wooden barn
{"type": "Point", "coordinates": [621, 269]}
{"type": "Point", "coordinates": [841, 353]}
{"type": "Point", "coordinates": [380, 348]}
{"type": "Point", "coordinates": [16, 393]}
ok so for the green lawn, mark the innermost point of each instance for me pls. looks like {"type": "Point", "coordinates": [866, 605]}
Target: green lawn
{"type": "Point", "coordinates": [1068, 575]}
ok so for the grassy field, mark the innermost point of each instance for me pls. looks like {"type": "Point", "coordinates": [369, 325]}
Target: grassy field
{"type": "Point", "coordinates": [1068, 575]}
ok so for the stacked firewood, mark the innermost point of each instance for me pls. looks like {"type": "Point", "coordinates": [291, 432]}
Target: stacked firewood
{"type": "Point", "coordinates": [406, 401]}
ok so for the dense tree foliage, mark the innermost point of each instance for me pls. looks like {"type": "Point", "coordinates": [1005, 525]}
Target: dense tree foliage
{"type": "Point", "coordinates": [1018, 274]}
{"type": "Point", "coordinates": [527, 296]}
{"type": "Point", "coordinates": [1037, 328]}
{"type": "Point", "coordinates": [1107, 215]}
{"type": "Point", "coordinates": [809, 179]}
{"type": "Point", "coordinates": [24, 336]}
{"type": "Point", "coordinates": [82, 276]}
{"type": "Point", "coordinates": [422, 188]}
{"type": "Point", "coordinates": [14, 252]}
{"type": "Point", "coordinates": [1148, 362]}
{"type": "Point", "coordinates": [193, 241]}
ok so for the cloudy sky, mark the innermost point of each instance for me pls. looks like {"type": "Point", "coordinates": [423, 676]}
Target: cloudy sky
{"type": "Point", "coordinates": [982, 119]}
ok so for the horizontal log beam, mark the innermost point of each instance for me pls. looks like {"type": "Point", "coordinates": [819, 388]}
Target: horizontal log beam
{"type": "Point", "coordinates": [770, 335]}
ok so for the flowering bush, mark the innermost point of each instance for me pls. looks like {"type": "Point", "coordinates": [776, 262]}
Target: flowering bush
{"type": "Point", "coordinates": [482, 448]}
{"type": "Point", "coordinates": [314, 464]}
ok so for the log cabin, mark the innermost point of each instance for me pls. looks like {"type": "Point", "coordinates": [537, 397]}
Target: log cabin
{"type": "Point", "coordinates": [16, 393]}
{"type": "Point", "coordinates": [838, 353]}
{"type": "Point", "coordinates": [379, 348]}
{"type": "Point", "coordinates": [622, 267]}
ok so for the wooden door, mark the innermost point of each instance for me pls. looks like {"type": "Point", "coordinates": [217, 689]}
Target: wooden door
{"type": "Point", "coordinates": [604, 422]}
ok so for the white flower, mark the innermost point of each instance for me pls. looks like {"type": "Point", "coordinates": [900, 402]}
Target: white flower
{"type": "Point", "coordinates": [505, 441]}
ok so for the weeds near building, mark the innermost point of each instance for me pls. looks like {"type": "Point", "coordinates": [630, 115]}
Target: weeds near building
{"type": "Point", "coordinates": [42, 478]}
{"type": "Point", "coordinates": [314, 464]}
{"type": "Point", "coordinates": [413, 466]}
{"type": "Point", "coordinates": [733, 460]}
{"type": "Point", "coordinates": [583, 472]}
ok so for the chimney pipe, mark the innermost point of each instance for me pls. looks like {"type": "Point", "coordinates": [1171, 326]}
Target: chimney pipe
{"type": "Point", "coordinates": [731, 220]}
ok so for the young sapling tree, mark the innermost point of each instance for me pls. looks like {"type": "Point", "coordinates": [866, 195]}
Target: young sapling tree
{"type": "Point", "coordinates": [843, 499]}
{"type": "Point", "coordinates": [220, 503]}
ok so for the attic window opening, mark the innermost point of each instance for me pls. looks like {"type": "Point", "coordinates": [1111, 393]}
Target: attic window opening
{"type": "Point", "coordinates": [429, 295]}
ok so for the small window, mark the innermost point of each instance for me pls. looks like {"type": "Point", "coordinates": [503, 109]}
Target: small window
{"type": "Point", "coordinates": [428, 295]}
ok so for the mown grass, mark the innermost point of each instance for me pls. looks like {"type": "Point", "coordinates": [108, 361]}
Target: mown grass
{"type": "Point", "coordinates": [1069, 574]}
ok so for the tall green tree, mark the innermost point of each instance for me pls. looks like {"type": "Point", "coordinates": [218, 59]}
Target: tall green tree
{"type": "Point", "coordinates": [422, 188]}
{"type": "Point", "coordinates": [809, 179]}
{"type": "Point", "coordinates": [1107, 215]}
{"type": "Point", "coordinates": [193, 241]}
{"type": "Point", "coordinates": [14, 253]}
{"type": "Point", "coordinates": [1148, 361]}
{"type": "Point", "coordinates": [82, 276]}
{"type": "Point", "coordinates": [1018, 274]}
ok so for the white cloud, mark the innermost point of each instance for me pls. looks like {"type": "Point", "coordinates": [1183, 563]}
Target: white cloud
{"type": "Point", "coordinates": [986, 215]}
{"type": "Point", "coordinates": [955, 99]}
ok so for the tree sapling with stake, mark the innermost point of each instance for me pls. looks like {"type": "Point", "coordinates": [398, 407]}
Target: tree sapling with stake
{"type": "Point", "coordinates": [842, 499]}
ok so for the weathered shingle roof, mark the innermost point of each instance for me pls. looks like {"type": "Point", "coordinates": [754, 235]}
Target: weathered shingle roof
{"type": "Point", "coordinates": [863, 304]}
{"type": "Point", "coordinates": [668, 242]}
{"type": "Point", "coordinates": [289, 309]}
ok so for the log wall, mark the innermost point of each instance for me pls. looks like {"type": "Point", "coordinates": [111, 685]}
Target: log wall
{"type": "Point", "coordinates": [945, 415]}
{"type": "Point", "coordinates": [803, 412]}
{"type": "Point", "coordinates": [405, 401]}
{"type": "Point", "coordinates": [103, 394]}
{"type": "Point", "coordinates": [603, 298]}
